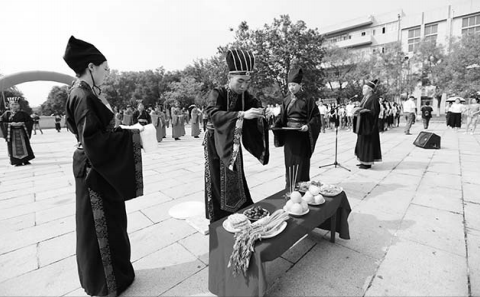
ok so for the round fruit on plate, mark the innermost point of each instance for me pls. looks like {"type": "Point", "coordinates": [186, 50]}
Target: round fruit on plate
{"type": "Point", "coordinates": [308, 197]}
{"type": "Point", "coordinates": [296, 197]}
{"type": "Point", "coordinates": [256, 213]}
{"type": "Point", "coordinates": [297, 209]}
{"type": "Point", "coordinates": [317, 200]}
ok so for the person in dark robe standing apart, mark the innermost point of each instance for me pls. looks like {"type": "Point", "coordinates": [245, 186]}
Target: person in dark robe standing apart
{"type": "Point", "coordinates": [17, 128]}
{"type": "Point", "coordinates": [195, 122]}
{"type": "Point", "coordinates": [300, 113]}
{"type": "Point", "coordinates": [177, 121]}
{"type": "Point", "coordinates": [58, 120]}
{"type": "Point", "coordinates": [107, 166]}
{"type": "Point", "coordinates": [141, 116]}
{"type": "Point", "coordinates": [234, 116]}
{"type": "Point", "coordinates": [367, 149]}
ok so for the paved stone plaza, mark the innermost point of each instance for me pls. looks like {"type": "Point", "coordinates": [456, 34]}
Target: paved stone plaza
{"type": "Point", "coordinates": [415, 224]}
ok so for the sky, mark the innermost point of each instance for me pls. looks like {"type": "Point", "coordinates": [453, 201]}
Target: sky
{"type": "Point", "coordinates": [138, 35]}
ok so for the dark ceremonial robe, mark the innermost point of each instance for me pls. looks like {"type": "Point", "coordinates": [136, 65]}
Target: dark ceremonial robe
{"type": "Point", "coordinates": [141, 117]}
{"type": "Point", "coordinates": [158, 121]}
{"type": "Point", "coordinates": [298, 146]}
{"type": "Point", "coordinates": [226, 189]}
{"type": "Point", "coordinates": [365, 125]}
{"type": "Point", "coordinates": [107, 166]}
{"type": "Point", "coordinates": [177, 122]}
{"type": "Point", "coordinates": [18, 138]}
{"type": "Point", "coordinates": [195, 123]}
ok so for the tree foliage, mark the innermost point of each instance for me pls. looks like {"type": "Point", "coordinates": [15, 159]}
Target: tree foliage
{"type": "Point", "coordinates": [55, 103]}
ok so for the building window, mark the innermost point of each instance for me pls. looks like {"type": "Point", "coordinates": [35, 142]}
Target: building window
{"type": "Point", "coordinates": [383, 30]}
{"type": "Point", "coordinates": [471, 24]}
{"type": "Point", "coordinates": [431, 33]}
{"type": "Point", "coordinates": [373, 32]}
{"type": "Point", "coordinates": [363, 33]}
{"type": "Point", "coordinates": [413, 39]}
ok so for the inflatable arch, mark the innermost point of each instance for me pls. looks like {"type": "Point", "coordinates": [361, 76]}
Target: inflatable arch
{"type": "Point", "coordinates": [11, 80]}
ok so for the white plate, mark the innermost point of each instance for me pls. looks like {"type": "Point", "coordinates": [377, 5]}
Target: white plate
{"type": "Point", "coordinates": [296, 215]}
{"type": "Point", "coordinates": [328, 194]}
{"type": "Point", "coordinates": [227, 226]}
{"type": "Point", "coordinates": [279, 230]}
{"type": "Point", "coordinates": [313, 203]}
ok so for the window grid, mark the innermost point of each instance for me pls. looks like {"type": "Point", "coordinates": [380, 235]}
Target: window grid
{"type": "Point", "coordinates": [471, 24]}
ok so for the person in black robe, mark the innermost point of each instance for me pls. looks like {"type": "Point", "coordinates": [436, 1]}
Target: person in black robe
{"type": "Point", "coordinates": [17, 128]}
{"type": "Point", "coordinates": [107, 166]}
{"type": "Point", "coordinates": [365, 122]}
{"type": "Point", "coordinates": [141, 116]}
{"type": "Point", "coordinates": [297, 129]}
{"type": "Point", "coordinates": [234, 115]}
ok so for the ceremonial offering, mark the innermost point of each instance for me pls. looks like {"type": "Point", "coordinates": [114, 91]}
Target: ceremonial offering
{"type": "Point", "coordinates": [317, 200]}
{"type": "Point", "coordinates": [330, 190]}
{"type": "Point", "coordinates": [256, 213]}
{"type": "Point", "coordinates": [245, 239]}
{"type": "Point", "coordinates": [236, 222]}
{"type": "Point", "coordinates": [307, 185]}
{"type": "Point", "coordinates": [296, 211]}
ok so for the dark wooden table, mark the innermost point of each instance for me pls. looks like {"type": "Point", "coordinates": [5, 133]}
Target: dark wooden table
{"type": "Point", "coordinates": [332, 215]}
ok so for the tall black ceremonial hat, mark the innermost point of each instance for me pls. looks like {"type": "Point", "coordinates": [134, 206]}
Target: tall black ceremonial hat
{"type": "Point", "coordinates": [372, 84]}
{"type": "Point", "coordinates": [79, 53]}
{"type": "Point", "coordinates": [295, 75]}
{"type": "Point", "coordinates": [13, 99]}
{"type": "Point", "coordinates": [240, 62]}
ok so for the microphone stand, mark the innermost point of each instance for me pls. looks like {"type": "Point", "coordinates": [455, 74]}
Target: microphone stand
{"type": "Point", "coordinates": [335, 163]}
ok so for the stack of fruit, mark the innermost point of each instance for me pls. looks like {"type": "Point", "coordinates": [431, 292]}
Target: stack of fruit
{"type": "Point", "coordinates": [296, 205]}
{"type": "Point", "coordinates": [312, 195]}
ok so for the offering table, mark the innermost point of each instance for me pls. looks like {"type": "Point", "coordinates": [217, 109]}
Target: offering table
{"type": "Point", "coordinates": [332, 215]}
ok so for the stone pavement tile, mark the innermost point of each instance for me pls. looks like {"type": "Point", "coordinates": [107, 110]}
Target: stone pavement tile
{"type": "Point", "coordinates": [195, 285]}
{"type": "Point", "coordinates": [44, 184]}
{"type": "Point", "coordinates": [17, 223]}
{"type": "Point", "coordinates": [56, 192]}
{"type": "Point", "coordinates": [162, 270]}
{"type": "Point", "coordinates": [146, 201]}
{"type": "Point", "coordinates": [198, 245]}
{"type": "Point", "coordinates": [151, 239]}
{"type": "Point", "coordinates": [18, 262]}
{"type": "Point", "coordinates": [54, 213]}
{"type": "Point", "coordinates": [25, 237]}
{"type": "Point", "coordinates": [19, 192]}
{"type": "Point", "coordinates": [159, 212]}
{"type": "Point", "coordinates": [392, 203]}
{"type": "Point", "coordinates": [183, 189]}
{"type": "Point", "coordinates": [473, 244]}
{"type": "Point", "coordinates": [370, 235]}
{"type": "Point", "coordinates": [137, 220]}
{"type": "Point", "coordinates": [300, 248]}
{"type": "Point", "coordinates": [472, 216]}
{"type": "Point", "coordinates": [56, 249]}
{"type": "Point", "coordinates": [161, 185]}
{"type": "Point", "coordinates": [410, 167]}
{"type": "Point", "coordinates": [401, 181]}
{"type": "Point", "coordinates": [34, 207]}
{"type": "Point", "coordinates": [470, 176]}
{"type": "Point", "coordinates": [443, 180]}
{"type": "Point", "coordinates": [17, 200]}
{"type": "Point", "coordinates": [12, 178]}
{"type": "Point", "coordinates": [275, 270]}
{"type": "Point", "coordinates": [413, 269]}
{"type": "Point", "coordinates": [80, 292]}
{"type": "Point", "coordinates": [471, 193]}
{"type": "Point", "coordinates": [436, 228]}
{"type": "Point", "coordinates": [56, 279]}
{"type": "Point", "coordinates": [9, 187]}
{"type": "Point", "coordinates": [440, 198]}
{"type": "Point", "coordinates": [448, 168]}
{"type": "Point", "coordinates": [328, 270]}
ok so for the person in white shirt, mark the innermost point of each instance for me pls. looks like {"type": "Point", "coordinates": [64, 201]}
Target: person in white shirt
{"type": "Point", "coordinates": [455, 117]}
{"type": "Point", "coordinates": [322, 108]}
{"type": "Point", "coordinates": [409, 110]}
{"type": "Point", "coordinates": [349, 111]}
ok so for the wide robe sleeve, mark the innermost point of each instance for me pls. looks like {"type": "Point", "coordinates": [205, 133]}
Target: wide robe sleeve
{"type": "Point", "coordinates": [230, 127]}
{"type": "Point", "coordinates": [114, 156]}
{"type": "Point", "coordinates": [366, 118]}
{"type": "Point", "coordinates": [314, 124]}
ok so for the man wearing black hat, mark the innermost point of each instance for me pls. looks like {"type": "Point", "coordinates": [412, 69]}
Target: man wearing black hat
{"type": "Point", "coordinates": [17, 128]}
{"type": "Point", "coordinates": [365, 125]}
{"type": "Point", "coordinates": [297, 129]}
{"type": "Point", "coordinates": [107, 166]}
{"type": "Point", "coordinates": [234, 115]}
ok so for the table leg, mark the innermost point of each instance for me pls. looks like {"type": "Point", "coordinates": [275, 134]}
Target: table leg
{"type": "Point", "coordinates": [333, 227]}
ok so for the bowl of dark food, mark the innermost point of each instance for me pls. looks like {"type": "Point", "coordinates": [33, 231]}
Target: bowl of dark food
{"type": "Point", "coordinates": [256, 213]}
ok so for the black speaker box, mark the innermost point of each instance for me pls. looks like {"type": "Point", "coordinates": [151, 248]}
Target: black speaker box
{"type": "Point", "coordinates": [427, 140]}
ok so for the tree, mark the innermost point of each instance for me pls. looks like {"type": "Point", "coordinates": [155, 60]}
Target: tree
{"type": "Point", "coordinates": [56, 100]}
{"type": "Point", "coordinates": [186, 91]}
{"type": "Point", "coordinates": [280, 47]}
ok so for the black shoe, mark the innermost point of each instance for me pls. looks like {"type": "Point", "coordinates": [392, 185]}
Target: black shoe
{"type": "Point", "coordinates": [177, 138]}
{"type": "Point", "coordinates": [363, 166]}
{"type": "Point", "coordinates": [196, 137]}
{"type": "Point", "coordinates": [359, 165]}
{"type": "Point", "coordinates": [27, 163]}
